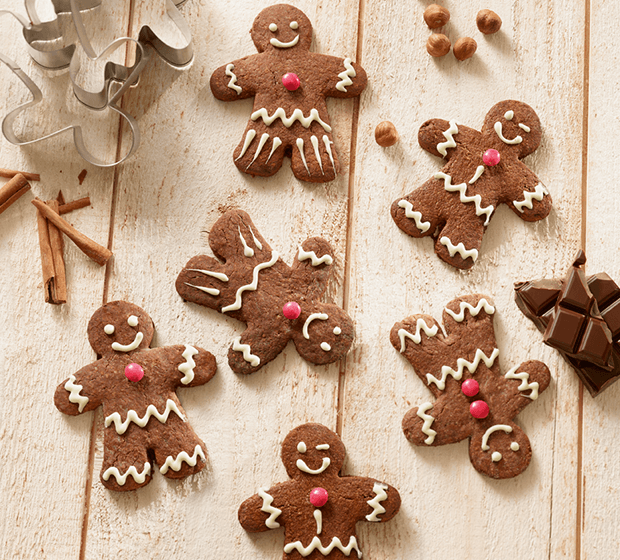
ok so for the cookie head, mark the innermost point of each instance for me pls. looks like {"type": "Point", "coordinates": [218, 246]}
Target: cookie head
{"type": "Point", "coordinates": [512, 125]}
{"type": "Point", "coordinates": [280, 28]}
{"type": "Point", "coordinates": [326, 335]}
{"type": "Point", "coordinates": [312, 450]}
{"type": "Point", "coordinates": [120, 327]}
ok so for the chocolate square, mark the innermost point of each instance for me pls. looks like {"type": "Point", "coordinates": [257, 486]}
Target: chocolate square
{"type": "Point", "coordinates": [565, 329]}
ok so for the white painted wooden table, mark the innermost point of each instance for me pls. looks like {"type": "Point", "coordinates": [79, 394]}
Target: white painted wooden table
{"type": "Point", "coordinates": [560, 56]}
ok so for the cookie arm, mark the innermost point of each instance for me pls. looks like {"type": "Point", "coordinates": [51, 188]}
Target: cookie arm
{"type": "Point", "coordinates": [383, 503]}
{"type": "Point", "coordinates": [343, 77]}
{"type": "Point", "coordinates": [525, 194]}
{"type": "Point", "coordinates": [235, 80]}
{"type": "Point", "coordinates": [522, 385]}
{"type": "Point", "coordinates": [79, 392]}
{"type": "Point", "coordinates": [261, 512]}
{"type": "Point", "coordinates": [442, 138]}
{"type": "Point", "coordinates": [190, 366]}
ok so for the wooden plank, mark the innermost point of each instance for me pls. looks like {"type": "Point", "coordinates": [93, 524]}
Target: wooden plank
{"type": "Point", "coordinates": [182, 179]}
{"type": "Point", "coordinates": [44, 453]}
{"type": "Point", "coordinates": [601, 536]}
{"type": "Point", "coordinates": [447, 505]}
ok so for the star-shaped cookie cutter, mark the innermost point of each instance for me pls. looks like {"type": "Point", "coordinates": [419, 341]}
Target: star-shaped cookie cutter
{"type": "Point", "coordinates": [39, 35]}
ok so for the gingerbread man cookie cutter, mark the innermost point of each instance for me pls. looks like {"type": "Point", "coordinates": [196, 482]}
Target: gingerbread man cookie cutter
{"type": "Point", "coordinates": [473, 399]}
{"type": "Point", "coordinates": [136, 386]}
{"type": "Point", "coordinates": [277, 302]}
{"type": "Point", "coordinates": [483, 169]}
{"type": "Point", "coordinates": [318, 507]}
{"type": "Point", "coordinates": [39, 35]}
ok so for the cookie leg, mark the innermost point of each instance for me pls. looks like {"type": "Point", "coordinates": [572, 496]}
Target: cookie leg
{"type": "Point", "coordinates": [260, 152]}
{"type": "Point", "coordinates": [126, 465]}
{"type": "Point", "coordinates": [458, 242]}
{"type": "Point", "coordinates": [313, 158]}
{"type": "Point", "coordinates": [179, 452]}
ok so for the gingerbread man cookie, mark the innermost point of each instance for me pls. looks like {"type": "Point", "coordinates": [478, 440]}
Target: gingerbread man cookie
{"type": "Point", "coordinates": [289, 85]}
{"type": "Point", "coordinates": [318, 507]}
{"type": "Point", "coordinates": [279, 303]}
{"type": "Point", "coordinates": [474, 400]}
{"type": "Point", "coordinates": [483, 169]}
{"type": "Point", "coordinates": [144, 420]}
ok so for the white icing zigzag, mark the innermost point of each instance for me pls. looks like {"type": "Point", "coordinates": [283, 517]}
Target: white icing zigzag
{"type": "Point", "coordinates": [316, 544]}
{"type": "Point", "coordinates": [253, 285]}
{"type": "Point", "coordinates": [132, 416]}
{"type": "Point", "coordinates": [247, 352]}
{"type": "Point", "coordinates": [288, 121]}
{"type": "Point", "coordinates": [273, 512]}
{"type": "Point", "coordinates": [416, 337]}
{"type": "Point", "coordinates": [346, 75]}
{"type": "Point", "coordinates": [442, 147]}
{"type": "Point", "coordinates": [377, 509]}
{"type": "Point", "coordinates": [233, 78]}
{"type": "Point", "coordinates": [183, 457]}
{"type": "Point", "coordinates": [460, 249]}
{"type": "Point", "coordinates": [121, 479]}
{"type": "Point", "coordinates": [525, 384]}
{"type": "Point", "coordinates": [316, 261]}
{"type": "Point", "coordinates": [428, 422]}
{"type": "Point", "coordinates": [74, 393]}
{"type": "Point", "coordinates": [414, 215]}
{"type": "Point", "coordinates": [482, 304]}
{"type": "Point", "coordinates": [537, 194]}
{"type": "Point", "coordinates": [462, 189]}
{"type": "Point", "coordinates": [461, 364]}
{"type": "Point", "coordinates": [187, 367]}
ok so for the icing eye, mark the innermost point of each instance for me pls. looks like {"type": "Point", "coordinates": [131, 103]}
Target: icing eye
{"type": "Point", "coordinates": [273, 27]}
{"type": "Point", "coordinates": [524, 127]}
{"type": "Point", "coordinates": [514, 446]}
{"type": "Point", "coordinates": [509, 115]}
{"type": "Point", "coordinates": [108, 329]}
{"type": "Point", "coordinates": [301, 447]}
{"type": "Point", "coordinates": [294, 25]}
{"type": "Point", "coordinates": [325, 346]}
{"type": "Point", "coordinates": [132, 321]}
{"type": "Point", "coordinates": [322, 446]}
{"type": "Point", "coordinates": [337, 330]}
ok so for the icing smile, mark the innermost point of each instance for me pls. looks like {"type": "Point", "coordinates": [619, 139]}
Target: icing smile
{"type": "Point", "coordinates": [282, 45]}
{"type": "Point", "coordinates": [128, 347]}
{"type": "Point", "coordinates": [301, 465]}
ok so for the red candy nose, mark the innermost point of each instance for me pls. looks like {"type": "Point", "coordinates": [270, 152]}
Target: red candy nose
{"type": "Point", "coordinates": [291, 81]}
{"type": "Point", "coordinates": [470, 387]}
{"type": "Point", "coordinates": [479, 409]}
{"type": "Point", "coordinates": [291, 310]}
{"type": "Point", "coordinates": [134, 372]}
{"type": "Point", "coordinates": [491, 157]}
{"type": "Point", "coordinates": [318, 497]}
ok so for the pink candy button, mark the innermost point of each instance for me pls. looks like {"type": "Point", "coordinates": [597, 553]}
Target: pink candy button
{"type": "Point", "coordinates": [470, 387]}
{"type": "Point", "coordinates": [479, 409]}
{"type": "Point", "coordinates": [291, 81]}
{"type": "Point", "coordinates": [291, 310]}
{"type": "Point", "coordinates": [134, 372]}
{"type": "Point", "coordinates": [318, 497]}
{"type": "Point", "coordinates": [491, 157]}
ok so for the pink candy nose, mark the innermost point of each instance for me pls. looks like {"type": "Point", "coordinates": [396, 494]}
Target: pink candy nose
{"type": "Point", "coordinates": [291, 81]}
{"type": "Point", "coordinates": [318, 497]}
{"type": "Point", "coordinates": [291, 310]}
{"type": "Point", "coordinates": [134, 372]}
{"type": "Point", "coordinates": [491, 157]}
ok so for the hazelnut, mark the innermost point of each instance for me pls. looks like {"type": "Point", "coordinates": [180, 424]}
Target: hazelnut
{"type": "Point", "coordinates": [438, 45]}
{"type": "Point", "coordinates": [464, 48]}
{"type": "Point", "coordinates": [488, 22]}
{"type": "Point", "coordinates": [386, 134]}
{"type": "Point", "coordinates": [436, 16]}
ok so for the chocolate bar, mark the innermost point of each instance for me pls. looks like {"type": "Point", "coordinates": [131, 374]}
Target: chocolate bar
{"type": "Point", "coordinates": [580, 317]}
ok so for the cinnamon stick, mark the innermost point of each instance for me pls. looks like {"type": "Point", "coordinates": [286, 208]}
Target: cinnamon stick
{"type": "Point", "coordinates": [47, 260]}
{"type": "Point", "coordinates": [9, 174]}
{"type": "Point", "coordinates": [74, 205]}
{"type": "Point", "coordinates": [58, 284]}
{"type": "Point", "coordinates": [96, 252]}
{"type": "Point", "coordinates": [12, 191]}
